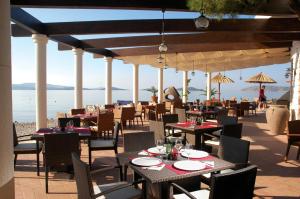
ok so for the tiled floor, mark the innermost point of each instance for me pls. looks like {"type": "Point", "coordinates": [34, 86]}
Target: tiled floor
{"type": "Point", "coordinates": [276, 178]}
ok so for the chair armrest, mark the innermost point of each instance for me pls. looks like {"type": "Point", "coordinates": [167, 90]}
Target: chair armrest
{"type": "Point", "coordinates": [293, 135]}
{"type": "Point", "coordinates": [179, 188]}
{"type": "Point", "coordinates": [210, 135]}
{"type": "Point", "coordinates": [102, 170]}
{"type": "Point", "coordinates": [95, 123]}
{"type": "Point", "coordinates": [26, 135]}
{"type": "Point", "coordinates": [117, 188]}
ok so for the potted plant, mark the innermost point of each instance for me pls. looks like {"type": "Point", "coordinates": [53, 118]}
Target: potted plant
{"type": "Point", "coordinates": [153, 90]}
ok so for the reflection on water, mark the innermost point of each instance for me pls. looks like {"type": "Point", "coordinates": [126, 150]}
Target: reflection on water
{"type": "Point", "coordinates": [63, 100]}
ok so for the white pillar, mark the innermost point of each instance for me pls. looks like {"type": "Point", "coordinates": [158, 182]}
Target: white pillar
{"type": "Point", "coordinates": [135, 90]}
{"type": "Point", "coordinates": [208, 85]}
{"type": "Point", "coordinates": [108, 80]}
{"type": "Point", "coordinates": [185, 86]}
{"type": "Point", "coordinates": [78, 77]}
{"type": "Point", "coordinates": [160, 84]}
{"type": "Point", "coordinates": [6, 142]}
{"type": "Point", "coordinates": [295, 100]}
{"type": "Point", "coordinates": [41, 79]}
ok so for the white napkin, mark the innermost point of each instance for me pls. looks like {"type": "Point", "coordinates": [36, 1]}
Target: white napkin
{"type": "Point", "coordinates": [143, 152]}
{"type": "Point", "coordinates": [209, 163]}
{"type": "Point", "coordinates": [156, 168]}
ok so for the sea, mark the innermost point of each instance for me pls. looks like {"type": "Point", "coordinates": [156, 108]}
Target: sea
{"type": "Point", "coordinates": [63, 100]}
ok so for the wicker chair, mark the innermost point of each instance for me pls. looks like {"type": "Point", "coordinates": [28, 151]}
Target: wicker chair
{"type": "Point", "coordinates": [104, 125]}
{"type": "Point", "coordinates": [138, 141]}
{"type": "Point", "coordinates": [293, 137]}
{"type": "Point", "coordinates": [160, 110]}
{"type": "Point", "coordinates": [109, 106]}
{"type": "Point", "coordinates": [171, 118]}
{"type": "Point", "coordinates": [234, 185]}
{"type": "Point", "coordinates": [86, 190]}
{"type": "Point", "coordinates": [139, 113]}
{"type": "Point", "coordinates": [181, 114]}
{"type": "Point", "coordinates": [104, 144]}
{"type": "Point", "coordinates": [62, 122]}
{"type": "Point", "coordinates": [58, 149]}
{"type": "Point", "coordinates": [244, 107]}
{"type": "Point", "coordinates": [168, 107]}
{"type": "Point", "coordinates": [26, 146]}
{"type": "Point", "coordinates": [158, 128]}
{"type": "Point", "coordinates": [77, 111]}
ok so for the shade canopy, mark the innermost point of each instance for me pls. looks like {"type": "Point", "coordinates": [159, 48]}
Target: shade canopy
{"type": "Point", "coordinates": [261, 78]}
{"type": "Point", "coordinates": [221, 79]}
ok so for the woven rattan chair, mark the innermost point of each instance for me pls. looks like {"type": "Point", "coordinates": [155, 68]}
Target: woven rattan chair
{"type": "Point", "coordinates": [109, 106]}
{"type": "Point", "coordinates": [77, 111]}
{"type": "Point", "coordinates": [86, 190]}
{"type": "Point", "coordinates": [168, 107]}
{"type": "Point", "coordinates": [104, 144]}
{"type": "Point", "coordinates": [293, 137]}
{"type": "Point", "coordinates": [58, 149]}
{"type": "Point", "coordinates": [158, 128]}
{"type": "Point", "coordinates": [104, 125]}
{"type": "Point", "coordinates": [138, 141]}
{"type": "Point", "coordinates": [62, 122]}
{"type": "Point", "coordinates": [238, 184]}
{"type": "Point", "coordinates": [26, 146]}
{"type": "Point", "coordinates": [139, 113]}
{"type": "Point", "coordinates": [160, 110]}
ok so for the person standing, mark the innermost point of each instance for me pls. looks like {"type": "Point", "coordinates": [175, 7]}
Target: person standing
{"type": "Point", "coordinates": [262, 98]}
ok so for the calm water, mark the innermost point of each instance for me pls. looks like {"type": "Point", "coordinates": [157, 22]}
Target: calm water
{"type": "Point", "coordinates": [62, 101]}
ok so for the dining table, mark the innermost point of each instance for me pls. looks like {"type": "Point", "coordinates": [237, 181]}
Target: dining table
{"type": "Point", "coordinates": [86, 118]}
{"type": "Point", "coordinates": [158, 180]}
{"type": "Point", "coordinates": [204, 113]}
{"type": "Point", "coordinates": [38, 136]}
{"type": "Point", "coordinates": [196, 129]}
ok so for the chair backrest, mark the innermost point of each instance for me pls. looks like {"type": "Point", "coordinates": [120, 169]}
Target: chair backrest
{"type": "Point", "coordinates": [151, 115]}
{"type": "Point", "coordinates": [181, 114]}
{"type": "Point", "coordinates": [234, 150]}
{"type": "Point", "coordinates": [226, 120]}
{"type": "Point", "coordinates": [139, 108]}
{"type": "Point", "coordinates": [168, 105]}
{"type": "Point", "coordinates": [234, 185]}
{"type": "Point", "coordinates": [128, 113]}
{"type": "Point", "coordinates": [158, 128]}
{"type": "Point", "coordinates": [105, 121]}
{"type": "Point", "coordinates": [116, 133]}
{"type": "Point", "coordinates": [160, 108]}
{"type": "Point", "coordinates": [294, 128]}
{"type": "Point", "coordinates": [144, 103]}
{"type": "Point", "coordinates": [83, 178]}
{"type": "Point", "coordinates": [109, 106]}
{"type": "Point", "coordinates": [76, 111]}
{"type": "Point", "coordinates": [233, 130]}
{"type": "Point", "coordinates": [245, 105]}
{"type": "Point", "coordinates": [16, 142]}
{"type": "Point", "coordinates": [62, 122]}
{"type": "Point", "coordinates": [170, 118]}
{"type": "Point", "coordinates": [59, 146]}
{"type": "Point", "coordinates": [138, 141]}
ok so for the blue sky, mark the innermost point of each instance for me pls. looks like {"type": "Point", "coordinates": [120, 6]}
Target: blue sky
{"type": "Point", "coordinates": [60, 68]}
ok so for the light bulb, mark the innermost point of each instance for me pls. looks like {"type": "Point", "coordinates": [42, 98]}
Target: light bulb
{"type": "Point", "coordinates": [201, 22]}
{"type": "Point", "coordinates": [163, 48]}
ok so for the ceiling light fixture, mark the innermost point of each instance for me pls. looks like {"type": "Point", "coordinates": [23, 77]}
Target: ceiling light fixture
{"type": "Point", "coordinates": [176, 69]}
{"type": "Point", "coordinates": [202, 22]}
{"type": "Point", "coordinates": [163, 48]}
{"type": "Point", "coordinates": [193, 72]}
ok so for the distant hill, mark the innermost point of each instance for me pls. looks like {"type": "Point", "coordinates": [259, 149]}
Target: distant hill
{"type": "Point", "coordinates": [190, 89]}
{"type": "Point", "coordinates": [31, 86]}
{"type": "Point", "coordinates": [269, 88]}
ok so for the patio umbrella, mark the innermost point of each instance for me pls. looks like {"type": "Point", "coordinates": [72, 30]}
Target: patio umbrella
{"type": "Point", "coordinates": [221, 79]}
{"type": "Point", "coordinates": [261, 78]}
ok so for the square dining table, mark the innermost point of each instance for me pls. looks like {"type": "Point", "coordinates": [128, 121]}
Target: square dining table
{"type": "Point", "coordinates": [196, 130]}
{"type": "Point", "coordinates": [162, 178]}
{"type": "Point", "coordinates": [38, 136]}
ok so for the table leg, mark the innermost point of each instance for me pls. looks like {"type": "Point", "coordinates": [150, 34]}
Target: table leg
{"type": "Point", "coordinates": [198, 140]}
{"type": "Point", "coordinates": [37, 158]}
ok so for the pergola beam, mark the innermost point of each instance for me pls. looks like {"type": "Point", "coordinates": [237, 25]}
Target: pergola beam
{"type": "Point", "coordinates": [171, 26]}
{"type": "Point", "coordinates": [201, 38]}
{"type": "Point", "coordinates": [153, 50]}
{"type": "Point", "coordinates": [274, 7]}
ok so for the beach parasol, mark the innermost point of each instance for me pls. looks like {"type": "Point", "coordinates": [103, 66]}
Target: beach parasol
{"type": "Point", "coordinates": [221, 79]}
{"type": "Point", "coordinates": [261, 78]}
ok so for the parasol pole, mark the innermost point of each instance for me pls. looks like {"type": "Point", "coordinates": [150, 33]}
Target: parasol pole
{"type": "Point", "coordinates": [219, 91]}
{"type": "Point", "coordinates": [259, 85]}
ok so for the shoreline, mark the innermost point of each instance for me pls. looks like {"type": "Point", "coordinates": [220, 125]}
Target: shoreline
{"type": "Point", "coordinates": [25, 128]}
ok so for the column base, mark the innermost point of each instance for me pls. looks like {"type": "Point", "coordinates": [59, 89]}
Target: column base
{"type": "Point", "coordinates": [7, 191]}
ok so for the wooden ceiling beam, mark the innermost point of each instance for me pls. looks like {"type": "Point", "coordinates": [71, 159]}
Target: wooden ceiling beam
{"type": "Point", "coordinates": [274, 7]}
{"type": "Point", "coordinates": [213, 37]}
{"type": "Point", "coordinates": [200, 48]}
{"type": "Point", "coordinates": [171, 26]}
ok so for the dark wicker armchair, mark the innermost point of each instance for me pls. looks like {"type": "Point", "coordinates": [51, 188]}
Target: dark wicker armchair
{"type": "Point", "coordinates": [293, 136]}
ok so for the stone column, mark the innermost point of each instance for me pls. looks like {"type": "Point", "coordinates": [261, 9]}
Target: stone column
{"type": "Point", "coordinates": [185, 86]}
{"type": "Point", "coordinates": [160, 84]}
{"type": "Point", "coordinates": [208, 85]}
{"type": "Point", "coordinates": [295, 91]}
{"type": "Point", "coordinates": [41, 79]}
{"type": "Point", "coordinates": [78, 77]}
{"type": "Point", "coordinates": [6, 142]}
{"type": "Point", "coordinates": [108, 80]}
{"type": "Point", "coordinates": [135, 89]}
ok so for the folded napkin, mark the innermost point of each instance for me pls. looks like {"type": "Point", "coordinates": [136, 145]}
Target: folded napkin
{"type": "Point", "coordinates": [143, 152]}
{"type": "Point", "coordinates": [156, 167]}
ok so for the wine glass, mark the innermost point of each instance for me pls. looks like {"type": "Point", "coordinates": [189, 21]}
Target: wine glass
{"type": "Point", "coordinates": [188, 149]}
{"type": "Point", "coordinates": [160, 145]}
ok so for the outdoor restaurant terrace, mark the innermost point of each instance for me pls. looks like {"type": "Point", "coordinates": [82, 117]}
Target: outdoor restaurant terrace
{"type": "Point", "coordinates": [166, 147]}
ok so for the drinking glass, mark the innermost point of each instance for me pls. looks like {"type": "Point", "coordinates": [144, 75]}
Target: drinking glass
{"type": "Point", "coordinates": [160, 145]}
{"type": "Point", "coordinates": [178, 144]}
{"type": "Point", "coordinates": [188, 149]}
